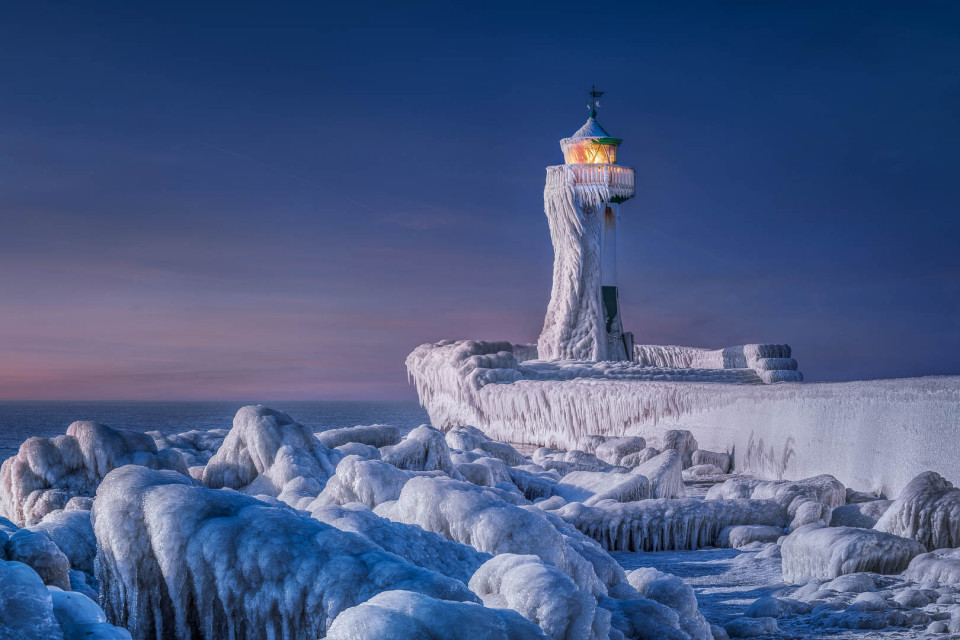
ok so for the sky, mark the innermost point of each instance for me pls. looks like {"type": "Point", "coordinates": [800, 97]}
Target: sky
{"type": "Point", "coordinates": [281, 200]}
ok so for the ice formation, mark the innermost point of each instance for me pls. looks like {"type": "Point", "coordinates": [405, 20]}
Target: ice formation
{"type": "Point", "coordinates": [740, 536]}
{"type": "Point", "coordinates": [613, 450]}
{"type": "Point", "coordinates": [591, 487]}
{"type": "Point", "coordinates": [719, 460]}
{"type": "Point", "coordinates": [375, 435]}
{"type": "Point", "coordinates": [195, 446]}
{"type": "Point", "coordinates": [663, 471]}
{"type": "Point", "coordinates": [861, 514]}
{"type": "Point", "coordinates": [779, 431]}
{"type": "Point", "coordinates": [664, 524]}
{"type": "Point", "coordinates": [543, 594]}
{"type": "Point", "coordinates": [941, 566]}
{"type": "Point", "coordinates": [369, 482]}
{"type": "Point", "coordinates": [268, 453]}
{"type": "Point", "coordinates": [39, 552]}
{"type": "Point", "coordinates": [403, 614]}
{"type": "Point", "coordinates": [72, 533]}
{"type": "Point", "coordinates": [163, 550]}
{"type": "Point", "coordinates": [423, 449]}
{"type": "Point", "coordinates": [47, 472]}
{"type": "Point", "coordinates": [673, 592]}
{"type": "Point", "coordinates": [927, 510]}
{"type": "Point", "coordinates": [819, 551]}
{"type": "Point", "coordinates": [806, 501]}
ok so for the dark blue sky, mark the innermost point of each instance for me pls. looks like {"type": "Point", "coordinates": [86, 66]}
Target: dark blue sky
{"type": "Point", "coordinates": [281, 200]}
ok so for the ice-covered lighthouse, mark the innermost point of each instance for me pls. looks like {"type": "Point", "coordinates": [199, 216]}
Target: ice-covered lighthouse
{"type": "Point", "coordinates": [582, 200]}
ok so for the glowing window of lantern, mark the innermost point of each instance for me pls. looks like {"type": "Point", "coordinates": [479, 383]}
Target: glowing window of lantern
{"type": "Point", "coordinates": [591, 151]}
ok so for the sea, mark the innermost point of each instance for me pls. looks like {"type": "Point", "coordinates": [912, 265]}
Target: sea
{"type": "Point", "coordinates": [22, 420]}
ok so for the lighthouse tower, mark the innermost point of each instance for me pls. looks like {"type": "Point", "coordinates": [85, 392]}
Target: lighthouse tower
{"type": "Point", "coordinates": [582, 200]}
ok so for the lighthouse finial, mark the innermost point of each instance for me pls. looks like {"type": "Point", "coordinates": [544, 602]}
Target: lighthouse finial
{"type": "Point", "coordinates": [594, 103]}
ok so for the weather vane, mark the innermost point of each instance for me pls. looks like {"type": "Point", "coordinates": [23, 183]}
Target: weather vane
{"type": "Point", "coordinates": [594, 103]}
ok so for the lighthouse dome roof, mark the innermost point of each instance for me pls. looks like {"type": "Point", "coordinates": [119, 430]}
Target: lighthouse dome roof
{"type": "Point", "coordinates": [590, 129]}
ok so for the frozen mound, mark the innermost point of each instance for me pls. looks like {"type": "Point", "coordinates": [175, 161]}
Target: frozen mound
{"type": "Point", "coordinates": [861, 514]}
{"type": "Point", "coordinates": [72, 533]}
{"type": "Point", "coordinates": [478, 517]}
{"type": "Point", "coordinates": [701, 472]}
{"type": "Point", "coordinates": [672, 592]}
{"type": "Point", "coordinates": [613, 450]}
{"type": "Point", "coordinates": [375, 435]}
{"type": "Point", "coordinates": [26, 608]}
{"type": "Point", "coordinates": [47, 472]}
{"type": "Point", "coordinates": [807, 501]}
{"type": "Point", "coordinates": [681, 441]}
{"type": "Point", "coordinates": [423, 449]}
{"type": "Point", "coordinates": [720, 460]}
{"type": "Point", "coordinates": [423, 548]}
{"type": "Point", "coordinates": [564, 462]}
{"type": "Point", "coordinates": [39, 552]}
{"type": "Point", "coordinates": [590, 487]}
{"type": "Point", "coordinates": [414, 616]}
{"type": "Point", "coordinates": [665, 474]}
{"type": "Point", "coordinates": [534, 484]}
{"type": "Point", "coordinates": [941, 566]}
{"type": "Point", "coordinates": [178, 560]}
{"type": "Point", "coordinates": [369, 482]}
{"type": "Point", "coordinates": [466, 438]}
{"type": "Point", "coordinates": [589, 443]}
{"type": "Point", "coordinates": [819, 551]}
{"type": "Point", "coordinates": [196, 447]}
{"type": "Point", "coordinates": [740, 536]}
{"type": "Point", "coordinates": [542, 594]}
{"type": "Point", "coordinates": [927, 510]}
{"type": "Point", "coordinates": [667, 525]}
{"type": "Point", "coordinates": [268, 453]}
{"type": "Point", "coordinates": [638, 458]}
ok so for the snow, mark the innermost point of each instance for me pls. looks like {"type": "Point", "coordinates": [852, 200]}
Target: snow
{"type": "Point", "coordinates": [543, 594]}
{"type": "Point", "coordinates": [776, 431]}
{"type": "Point", "coordinates": [268, 453]}
{"type": "Point", "coordinates": [47, 472]}
{"type": "Point", "coordinates": [927, 510]}
{"type": "Point", "coordinates": [819, 551]}
{"type": "Point", "coordinates": [403, 614]}
{"type": "Point", "coordinates": [255, 570]}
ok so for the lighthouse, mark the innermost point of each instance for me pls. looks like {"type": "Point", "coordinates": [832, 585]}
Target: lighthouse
{"type": "Point", "coordinates": [582, 199]}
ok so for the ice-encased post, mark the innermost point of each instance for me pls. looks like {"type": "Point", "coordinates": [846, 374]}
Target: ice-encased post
{"type": "Point", "coordinates": [581, 200]}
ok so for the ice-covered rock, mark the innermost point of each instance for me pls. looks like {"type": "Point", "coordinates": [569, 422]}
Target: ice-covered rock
{"type": "Point", "coordinates": [267, 452]}
{"type": "Point", "coordinates": [81, 618]}
{"type": "Point", "coordinates": [564, 462]}
{"type": "Point", "coordinates": [719, 460]}
{"type": "Point", "coordinates": [752, 627]}
{"type": "Point", "coordinates": [365, 451]}
{"type": "Point", "coordinates": [941, 566]}
{"type": "Point", "coordinates": [860, 514]}
{"type": "Point", "coordinates": [671, 591]}
{"type": "Point", "coordinates": [47, 472]}
{"type": "Point", "coordinates": [468, 438]}
{"type": "Point", "coordinates": [737, 537]}
{"type": "Point", "coordinates": [589, 443]}
{"type": "Point", "coordinates": [662, 524]}
{"type": "Point", "coordinates": [369, 482]}
{"type": "Point", "coordinates": [423, 449]}
{"type": "Point", "coordinates": [927, 510]}
{"type": "Point", "coordinates": [807, 501]}
{"type": "Point", "coordinates": [177, 560]}
{"type": "Point", "coordinates": [613, 450]}
{"type": "Point", "coordinates": [374, 435]}
{"type": "Point", "coordinates": [423, 548]}
{"type": "Point", "coordinates": [542, 594]}
{"type": "Point", "coordinates": [72, 532]}
{"type": "Point", "coordinates": [26, 609]}
{"type": "Point", "coordinates": [38, 551]}
{"type": "Point", "coordinates": [590, 487]}
{"type": "Point", "coordinates": [701, 472]}
{"type": "Point", "coordinates": [403, 614]}
{"type": "Point", "coordinates": [534, 484]}
{"type": "Point", "coordinates": [681, 441]}
{"type": "Point", "coordinates": [819, 551]}
{"type": "Point", "coordinates": [195, 446]}
{"type": "Point", "coordinates": [638, 458]}
{"type": "Point", "coordinates": [665, 474]}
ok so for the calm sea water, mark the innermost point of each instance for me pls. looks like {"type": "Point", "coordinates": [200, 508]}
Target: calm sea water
{"type": "Point", "coordinates": [21, 420]}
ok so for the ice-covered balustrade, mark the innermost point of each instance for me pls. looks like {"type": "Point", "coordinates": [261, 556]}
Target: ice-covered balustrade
{"type": "Point", "coordinates": [770, 362]}
{"type": "Point", "coordinates": [779, 431]}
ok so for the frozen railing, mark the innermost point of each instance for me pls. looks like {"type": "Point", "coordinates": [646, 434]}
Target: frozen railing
{"type": "Point", "coordinates": [604, 175]}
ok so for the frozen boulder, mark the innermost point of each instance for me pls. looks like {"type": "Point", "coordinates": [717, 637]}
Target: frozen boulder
{"type": "Point", "coordinates": [255, 570]}
{"type": "Point", "coordinates": [681, 441]}
{"type": "Point", "coordinates": [737, 537]}
{"type": "Point", "coordinates": [564, 462]}
{"type": "Point", "coordinates": [861, 514]}
{"type": "Point", "coordinates": [80, 618]}
{"type": "Point", "coordinates": [701, 472]}
{"type": "Point", "coordinates": [534, 484]}
{"type": "Point", "coordinates": [542, 594]}
{"type": "Point", "coordinates": [374, 435]}
{"type": "Point", "coordinates": [47, 472]}
{"type": "Point", "coordinates": [369, 482]}
{"type": "Point", "coordinates": [72, 532]}
{"type": "Point", "coordinates": [423, 548]}
{"type": "Point", "coordinates": [196, 447]}
{"type": "Point", "coordinates": [403, 614]}
{"type": "Point", "coordinates": [671, 591]}
{"type": "Point", "coordinates": [665, 474]}
{"type": "Point", "coordinates": [751, 627]}
{"type": "Point", "coordinates": [268, 453]}
{"type": "Point", "coordinates": [589, 443]}
{"type": "Point", "coordinates": [819, 551]}
{"type": "Point", "coordinates": [38, 551]}
{"type": "Point", "coordinates": [26, 609]}
{"type": "Point", "coordinates": [941, 566]}
{"type": "Point", "coordinates": [720, 460]}
{"type": "Point", "coordinates": [667, 525]}
{"type": "Point", "coordinates": [423, 449]}
{"type": "Point", "coordinates": [927, 510]}
{"type": "Point", "coordinates": [638, 458]}
{"type": "Point", "coordinates": [366, 451]}
{"type": "Point", "coordinates": [612, 451]}
{"type": "Point", "coordinates": [467, 438]}
{"type": "Point", "coordinates": [807, 501]}
{"type": "Point", "coordinates": [590, 487]}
